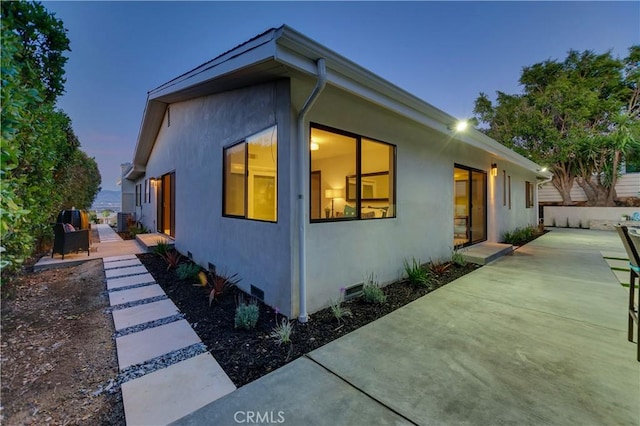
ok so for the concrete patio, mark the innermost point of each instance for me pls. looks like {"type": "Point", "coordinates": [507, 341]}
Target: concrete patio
{"type": "Point", "coordinates": [538, 337]}
{"type": "Point", "coordinates": [110, 245]}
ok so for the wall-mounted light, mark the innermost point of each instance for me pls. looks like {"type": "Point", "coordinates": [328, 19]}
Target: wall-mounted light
{"type": "Point", "coordinates": [494, 169]}
{"type": "Point", "coordinates": [314, 146]}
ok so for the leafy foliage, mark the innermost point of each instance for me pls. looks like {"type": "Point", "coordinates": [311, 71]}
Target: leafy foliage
{"type": "Point", "coordinates": [339, 311]}
{"type": "Point", "coordinates": [520, 236]}
{"type": "Point", "coordinates": [41, 167]}
{"type": "Point", "coordinates": [439, 267]}
{"type": "Point", "coordinates": [457, 258]}
{"type": "Point", "coordinates": [282, 331]}
{"type": "Point", "coordinates": [580, 117]}
{"type": "Point", "coordinates": [172, 257]}
{"type": "Point", "coordinates": [161, 248]}
{"type": "Point", "coordinates": [218, 283]}
{"type": "Point", "coordinates": [188, 271]}
{"type": "Point", "coordinates": [247, 314]}
{"type": "Point", "coordinates": [371, 292]}
{"type": "Point", "coordinates": [416, 274]}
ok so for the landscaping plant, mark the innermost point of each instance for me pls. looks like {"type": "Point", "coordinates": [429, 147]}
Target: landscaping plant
{"type": "Point", "coordinates": [282, 331]}
{"type": "Point", "coordinates": [371, 292]}
{"type": "Point", "coordinates": [520, 236]}
{"type": "Point", "coordinates": [339, 311]}
{"type": "Point", "coordinates": [188, 271]}
{"type": "Point", "coordinates": [246, 314]}
{"type": "Point", "coordinates": [457, 258]}
{"type": "Point", "coordinates": [218, 283]}
{"type": "Point", "coordinates": [172, 257]}
{"type": "Point", "coordinates": [161, 248]}
{"type": "Point", "coordinates": [438, 267]}
{"type": "Point", "coordinates": [416, 274]}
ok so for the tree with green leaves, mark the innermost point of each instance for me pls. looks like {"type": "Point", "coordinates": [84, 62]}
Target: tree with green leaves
{"type": "Point", "coordinates": [580, 117]}
{"type": "Point", "coordinates": [41, 167]}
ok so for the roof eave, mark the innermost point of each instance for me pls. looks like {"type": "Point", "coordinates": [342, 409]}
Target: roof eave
{"type": "Point", "coordinates": [301, 52]}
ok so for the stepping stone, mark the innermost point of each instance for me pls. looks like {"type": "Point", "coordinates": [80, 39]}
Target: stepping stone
{"type": "Point", "coordinates": [119, 258]}
{"type": "Point", "coordinates": [115, 283]}
{"type": "Point", "coordinates": [122, 264]}
{"type": "Point", "coordinates": [622, 265]}
{"type": "Point", "coordinates": [140, 314]}
{"type": "Point", "coordinates": [169, 394]}
{"type": "Point", "coordinates": [150, 343]}
{"type": "Point", "coordinates": [622, 276]}
{"type": "Point", "coordinates": [134, 294]}
{"type": "Point", "coordinates": [121, 272]}
{"type": "Point", "coordinates": [615, 255]}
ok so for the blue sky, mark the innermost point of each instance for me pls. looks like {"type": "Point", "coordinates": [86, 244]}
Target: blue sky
{"type": "Point", "coordinates": [443, 52]}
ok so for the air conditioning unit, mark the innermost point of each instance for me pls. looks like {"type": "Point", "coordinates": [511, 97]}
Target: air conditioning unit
{"type": "Point", "coordinates": [123, 219]}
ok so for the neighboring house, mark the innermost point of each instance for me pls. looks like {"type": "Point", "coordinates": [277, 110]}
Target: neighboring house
{"type": "Point", "coordinates": [627, 186]}
{"type": "Point", "coordinates": [301, 171]}
{"type": "Point", "coordinates": [127, 190]}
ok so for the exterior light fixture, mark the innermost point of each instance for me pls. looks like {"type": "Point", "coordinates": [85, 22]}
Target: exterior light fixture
{"type": "Point", "coordinates": [494, 169]}
{"type": "Point", "coordinates": [461, 126]}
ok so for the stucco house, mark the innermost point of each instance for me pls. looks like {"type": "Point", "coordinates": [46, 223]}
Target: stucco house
{"type": "Point", "coordinates": [303, 172]}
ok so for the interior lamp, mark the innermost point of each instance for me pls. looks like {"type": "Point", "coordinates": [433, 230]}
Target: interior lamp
{"type": "Point", "coordinates": [494, 169]}
{"type": "Point", "coordinates": [333, 194]}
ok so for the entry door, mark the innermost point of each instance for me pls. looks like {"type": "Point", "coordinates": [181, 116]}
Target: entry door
{"type": "Point", "coordinates": [166, 204]}
{"type": "Point", "coordinates": [469, 205]}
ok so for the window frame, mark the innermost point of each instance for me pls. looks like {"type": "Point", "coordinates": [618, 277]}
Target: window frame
{"type": "Point", "coordinates": [528, 194]}
{"type": "Point", "coordinates": [138, 198]}
{"type": "Point", "coordinates": [359, 139]}
{"type": "Point", "coordinates": [246, 176]}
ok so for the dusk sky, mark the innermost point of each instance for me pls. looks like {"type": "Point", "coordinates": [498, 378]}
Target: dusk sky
{"type": "Point", "coordinates": [445, 53]}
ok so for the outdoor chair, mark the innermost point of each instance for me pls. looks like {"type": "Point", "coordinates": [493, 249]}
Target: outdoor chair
{"type": "Point", "coordinates": [632, 245]}
{"type": "Point", "coordinates": [69, 240]}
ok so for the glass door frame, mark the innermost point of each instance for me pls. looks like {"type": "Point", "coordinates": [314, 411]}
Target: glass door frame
{"type": "Point", "coordinates": [470, 196]}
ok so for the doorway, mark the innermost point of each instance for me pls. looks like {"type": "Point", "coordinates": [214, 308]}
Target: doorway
{"type": "Point", "coordinates": [166, 204]}
{"type": "Point", "coordinates": [469, 205]}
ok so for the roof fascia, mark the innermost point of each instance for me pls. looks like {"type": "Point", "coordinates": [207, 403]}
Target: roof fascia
{"type": "Point", "coordinates": [258, 50]}
{"type": "Point", "coordinates": [301, 52]}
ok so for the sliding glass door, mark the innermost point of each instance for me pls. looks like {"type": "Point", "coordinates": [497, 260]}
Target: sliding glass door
{"type": "Point", "coordinates": [469, 205]}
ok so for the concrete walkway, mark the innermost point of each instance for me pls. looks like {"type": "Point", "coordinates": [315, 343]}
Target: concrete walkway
{"type": "Point", "coordinates": [538, 337]}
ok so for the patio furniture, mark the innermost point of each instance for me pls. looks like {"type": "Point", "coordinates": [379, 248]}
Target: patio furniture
{"type": "Point", "coordinates": [631, 244]}
{"type": "Point", "coordinates": [67, 241]}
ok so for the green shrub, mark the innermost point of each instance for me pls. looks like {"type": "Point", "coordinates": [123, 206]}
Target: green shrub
{"type": "Point", "coordinates": [339, 311]}
{"type": "Point", "coordinates": [416, 274]}
{"type": "Point", "coordinates": [457, 258]}
{"type": "Point", "coordinates": [188, 271]}
{"type": "Point", "coordinates": [371, 292]}
{"type": "Point", "coordinates": [134, 230]}
{"type": "Point", "coordinates": [161, 248]}
{"type": "Point", "coordinates": [282, 331]}
{"type": "Point", "coordinates": [520, 236]}
{"type": "Point", "coordinates": [247, 314]}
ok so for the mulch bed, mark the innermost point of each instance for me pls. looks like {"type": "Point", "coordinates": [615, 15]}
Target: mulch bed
{"type": "Point", "coordinates": [248, 355]}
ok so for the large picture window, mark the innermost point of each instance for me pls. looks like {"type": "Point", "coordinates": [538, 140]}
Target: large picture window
{"type": "Point", "coordinates": [251, 177]}
{"type": "Point", "coordinates": [352, 177]}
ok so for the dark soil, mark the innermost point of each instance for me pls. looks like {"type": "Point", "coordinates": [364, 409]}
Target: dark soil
{"type": "Point", "coordinates": [247, 355]}
{"type": "Point", "coordinates": [57, 349]}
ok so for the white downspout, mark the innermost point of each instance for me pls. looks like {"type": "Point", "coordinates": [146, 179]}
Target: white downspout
{"type": "Point", "coordinates": [302, 178]}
